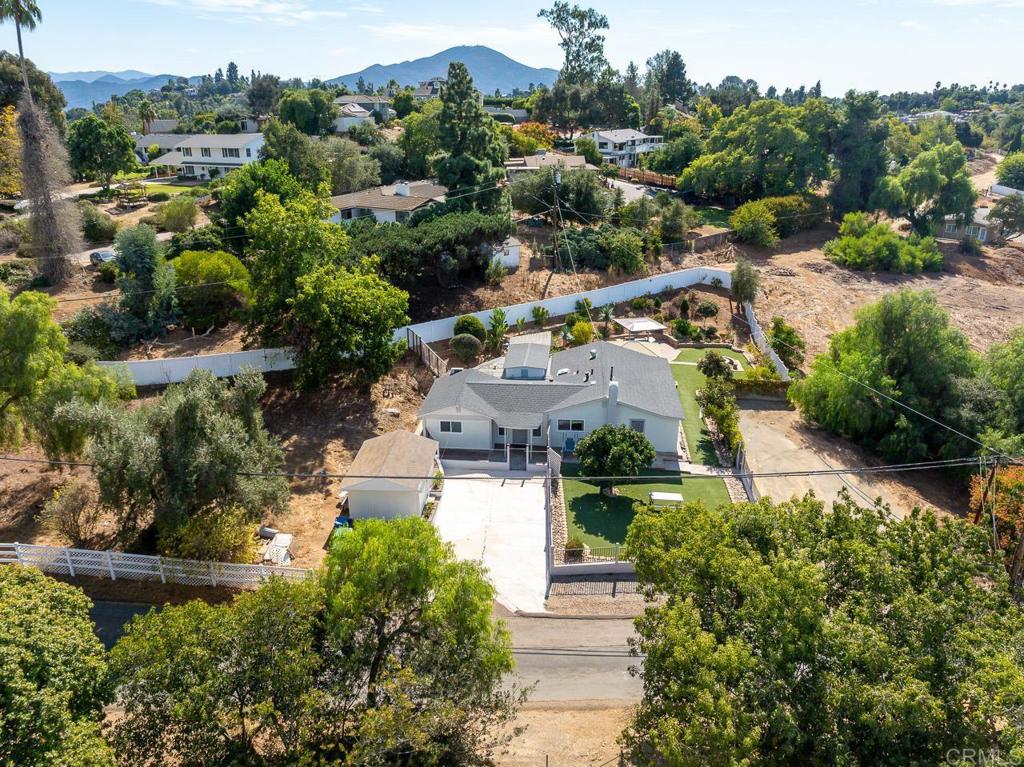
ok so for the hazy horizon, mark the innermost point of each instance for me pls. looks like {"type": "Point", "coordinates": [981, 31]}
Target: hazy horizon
{"type": "Point", "coordinates": [870, 45]}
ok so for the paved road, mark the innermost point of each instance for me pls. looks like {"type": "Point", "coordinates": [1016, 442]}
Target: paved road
{"type": "Point", "coordinates": [630, 191]}
{"type": "Point", "coordinates": [82, 257]}
{"type": "Point", "coordinates": [568, 659]}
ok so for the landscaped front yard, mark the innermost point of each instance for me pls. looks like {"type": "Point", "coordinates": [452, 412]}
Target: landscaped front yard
{"type": "Point", "coordinates": [689, 379]}
{"type": "Point", "coordinates": [600, 521]}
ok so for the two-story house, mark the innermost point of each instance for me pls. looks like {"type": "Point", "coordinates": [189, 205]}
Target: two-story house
{"type": "Point", "coordinates": [213, 155]}
{"type": "Point", "coordinates": [623, 147]}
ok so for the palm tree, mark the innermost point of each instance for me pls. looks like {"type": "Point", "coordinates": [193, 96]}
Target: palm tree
{"type": "Point", "coordinates": [147, 113]}
{"type": "Point", "coordinates": [606, 314]}
{"type": "Point", "coordinates": [24, 13]}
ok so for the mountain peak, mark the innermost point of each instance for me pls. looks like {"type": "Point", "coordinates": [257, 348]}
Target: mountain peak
{"type": "Point", "coordinates": [491, 70]}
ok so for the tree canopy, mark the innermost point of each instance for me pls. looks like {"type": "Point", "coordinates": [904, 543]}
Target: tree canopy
{"type": "Point", "coordinates": [98, 149]}
{"type": "Point", "coordinates": [238, 194]}
{"type": "Point", "coordinates": [579, 30]}
{"type": "Point", "coordinates": [473, 152]}
{"type": "Point", "coordinates": [790, 634]}
{"type": "Point", "coordinates": [614, 451]}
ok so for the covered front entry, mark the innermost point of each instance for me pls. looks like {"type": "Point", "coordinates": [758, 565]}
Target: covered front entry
{"type": "Point", "coordinates": [519, 450]}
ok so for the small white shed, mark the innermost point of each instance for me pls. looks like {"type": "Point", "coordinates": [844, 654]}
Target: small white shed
{"type": "Point", "coordinates": [508, 253]}
{"type": "Point", "coordinates": [391, 476]}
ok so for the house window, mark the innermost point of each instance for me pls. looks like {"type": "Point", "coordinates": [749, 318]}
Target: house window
{"type": "Point", "coordinates": [190, 170]}
{"type": "Point", "coordinates": [230, 152]}
{"type": "Point", "coordinates": [972, 231]}
{"type": "Point", "coordinates": [951, 228]}
{"type": "Point", "coordinates": [451, 427]}
{"type": "Point", "coordinates": [536, 432]}
{"type": "Point", "coordinates": [206, 152]}
{"type": "Point", "coordinates": [564, 425]}
{"type": "Point", "coordinates": [248, 152]}
{"type": "Point", "coordinates": [637, 424]}
{"type": "Point", "coordinates": [982, 234]}
{"type": "Point", "coordinates": [501, 431]}
{"type": "Point", "coordinates": [187, 151]}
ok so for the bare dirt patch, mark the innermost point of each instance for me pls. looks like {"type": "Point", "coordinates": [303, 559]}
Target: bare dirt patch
{"type": "Point", "coordinates": [777, 439]}
{"type": "Point", "coordinates": [577, 733]}
{"type": "Point", "coordinates": [183, 342]}
{"type": "Point", "coordinates": [321, 431]}
{"type": "Point", "coordinates": [984, 295]}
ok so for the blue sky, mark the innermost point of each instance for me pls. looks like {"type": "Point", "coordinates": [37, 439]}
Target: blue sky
{"type": "Point", "coordinates": [867, 44]}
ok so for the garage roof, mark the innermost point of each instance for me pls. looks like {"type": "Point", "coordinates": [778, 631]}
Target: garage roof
{"type": "Point", "coordinates": [395, 454]}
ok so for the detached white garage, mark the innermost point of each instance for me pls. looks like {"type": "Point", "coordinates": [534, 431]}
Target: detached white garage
{"type": "Point", "coordinates": [391, 476]}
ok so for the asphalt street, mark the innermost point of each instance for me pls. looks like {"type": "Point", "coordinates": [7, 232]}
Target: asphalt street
{"type": "Point", "coordinates": [567, 659]}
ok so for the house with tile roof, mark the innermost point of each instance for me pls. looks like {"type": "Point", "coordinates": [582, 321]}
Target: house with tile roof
{"type": "Point", "coordinates": [392, 203]}
{"type": "Point", "coordinates": [532, 399]}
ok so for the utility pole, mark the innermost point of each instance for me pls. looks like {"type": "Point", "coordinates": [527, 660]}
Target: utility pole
{"type": "Point", "coordinates": [984, 495]}
{"type": "Point", "coordinates": [555, 218]}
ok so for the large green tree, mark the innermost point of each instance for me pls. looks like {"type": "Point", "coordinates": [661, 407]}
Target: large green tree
{"type": "Point", "coordinates": [53, 675]}
{"type": "Point", "coordinates": [311, 110]}
{"type": "Point", "coordinates": [1010, 172]}
{"type": "Point", "coordinates": [666, 75]}
{"type": "Point", "coordinates": [858, 151]}
{"type": "Point", "coordinates": [305, 157]}
{"type": "Point", "coordinates": [420, 140]}
{"type": "Point", "coordinates": [193, 452]}
{"type": "Point", "coordinates": [904, 347]}
{"type": "Point", "coordinates": [579, 31]}
{"type": "Point", "coordinates": [238, 194]}
{"type": "Point", "coordinates": [790, 634]}
{"type": "Point", "coordinates": [467, 135]}
{"type": "Point", "coordinates": [287, 240]}
{"type": "Point", "coordinates": [345, 319]}
{"type": "Point", "coordinates": [389, 657]}
{"type": "Point", "coordinates": [936, 184]}
{"type": "Point", "coordinates": [614, 451]}
{"type": "Point", "coordinates": [98, 150]}
{"type": "Point", "coordinates": [1009, 213]}
{"type": "Point", "coordinates": [45, 94]}
{"type": "Point", "coordinates": [766, 149]}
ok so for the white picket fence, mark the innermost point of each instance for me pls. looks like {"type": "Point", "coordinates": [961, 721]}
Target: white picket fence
{"type": "Point", "coordinates": [60, 560]}
{"type": "Point", "coordinates": [176, 369]}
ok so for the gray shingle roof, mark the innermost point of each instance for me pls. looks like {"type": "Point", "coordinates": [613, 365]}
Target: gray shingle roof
{"type": "Point", "coordinates": [527, 356]}
{"type": "Point", "coordinates": [645, 382]}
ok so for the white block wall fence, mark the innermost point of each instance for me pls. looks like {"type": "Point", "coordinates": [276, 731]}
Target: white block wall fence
{"type": "Point", "coordinates": [176, 369]}
{"type": "Point", "coordinates": [60, 560]}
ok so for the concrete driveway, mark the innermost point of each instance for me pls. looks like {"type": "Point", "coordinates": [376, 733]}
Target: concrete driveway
{"type": "Point", "coordinates": [498, 519]}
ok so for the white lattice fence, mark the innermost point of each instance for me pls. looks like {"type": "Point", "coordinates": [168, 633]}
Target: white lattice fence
{"type": "Point", "coordinates": [115, 565]}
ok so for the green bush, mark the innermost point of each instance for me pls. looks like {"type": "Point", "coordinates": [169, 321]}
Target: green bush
{"type": "Point", "coordinates": [80, 353]}
{"type": "Point", "coordinates": [471, 325]}
{"type": "Point", "coordinates": [862, 245]}
{"type": "Point", "coordinates": [685, 330]}
{"type": "Point", "coordinates": [178, 214]}
{"type": "Point", "coordinates": [540, 315]}
{"type": "Point", "coordinates": [466, 347]}
{"type": "Point", "coordinates": [13, 233]}
{"type": "Point", "coordinates": [98, 227]}
{"type": "Point", "coordinates": [158, 197]}
{"type": "Point", "coordinates": [212, 287]}
{"type": "Point", "coordinates": [209, 238]}
{"type": "Point", "coordinates": [796, 212]}
{"type": "Point", "coordinates": [108, 271]}
{"type": "Point", "coordinates": [574, 549]}
{"type": "Point", "coordinates": [582, 333]}
{"type": "Point", "coordinates": [105, 328]}
{"type": "Point", "coordinates": [625, 249]}
{"type": "Point", "coordinates": [15, 274]}
{"type": "Point", "coordinates": [1010, 172]}
{"type": "Point", "coordinates": [754, 222]}
{"type": "Point", "coordinates": [213, 536]}
{"type": "Point", "coordinates": [496, 272]}
{"type": "Point", "coordinates": [640, 303]}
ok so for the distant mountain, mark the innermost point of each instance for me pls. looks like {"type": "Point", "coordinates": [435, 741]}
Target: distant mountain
{"type": "Point", "coordinates": [490, 70]}
{"type": "Point", "coordinates": [93, 76]}
{"type": "Point", "coordinates": [83, 93]}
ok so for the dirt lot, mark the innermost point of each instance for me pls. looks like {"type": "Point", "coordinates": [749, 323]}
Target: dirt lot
{"type": "Point", "coordinates": [984, 295]}
{"type": "Point", "coordinates": [777, 439]}
{"type": "Point", "coordinates": [322, 431]}
{"type": "Point", "coordinates": [566, 735]}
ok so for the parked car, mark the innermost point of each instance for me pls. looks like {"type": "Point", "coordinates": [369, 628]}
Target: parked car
{"type": "Point", "coordinates": [101, 257]}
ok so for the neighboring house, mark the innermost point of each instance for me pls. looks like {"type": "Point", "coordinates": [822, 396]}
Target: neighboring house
{"type": "Point", "coordinates": [430, 89]}
{"type": "Point", "coordinates": [517, 166]}
{"type": "Point", "coordinates": [998, 190]}
{"type": "Point", "coordinates": [536, 399]}
{"type": "Point", "coordinates": [935, 113]}
{"type": "Point", "coordinates": [508, 115]}
{"type": "Point", "coordinates": [165, 142]}
{"type": "Point", "coordinates": [350, 116]}
{"type": "Point", "coordinates": [213, 155]}
{"type": "Point", "coordinates": [981, 228]}
{"type": "Point", "coordinates": [391, 476]}
{"type": "Point", "coordinates": [373, 104]}
{"type": "Point", "coordinates": [623, 147]}
{"type": "Point", "coordinates": [249, 125]}
{"type": "Point", "coordinates": [387, 203]}
{"type": "Point", "coordinates": [163, 126]}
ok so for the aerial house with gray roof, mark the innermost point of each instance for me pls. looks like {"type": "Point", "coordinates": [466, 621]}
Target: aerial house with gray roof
{"type": "Point", "coordinates": [533, 399]}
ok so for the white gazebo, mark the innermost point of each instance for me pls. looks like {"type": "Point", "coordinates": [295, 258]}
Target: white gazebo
{"type": "Point", "coordinates": [639, 325]}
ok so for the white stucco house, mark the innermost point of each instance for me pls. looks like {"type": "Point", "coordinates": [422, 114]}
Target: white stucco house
{"type": "Point", "coordinates": [534, 399]}
{"type": "Point", "coordinates": [209, 155]}
{"type": "Point", "coordinates": [387, 203]}
{"type": "Point", "coordinates": [391, 476]}
{"type": "Point", "coordinates": [381, 105]}
{"type": "Point", "coordinates": [351, 116]}
{"type": "Point", "coordinates": [623, 147]}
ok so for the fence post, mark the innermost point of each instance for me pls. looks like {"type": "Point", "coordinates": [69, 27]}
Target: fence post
{"type": "Point", "coordinates": [110, 566]}
{"type": "Point", "coordinates": [160, 569]}
{"type": "Point", "coordinates": [17, 553]}
{"type": "Point", "coordinates": [71, 566]}
{"type": "Point", "coordinates": [616, 552]}
{"type": "Point", "coordinates": [213, 578]}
